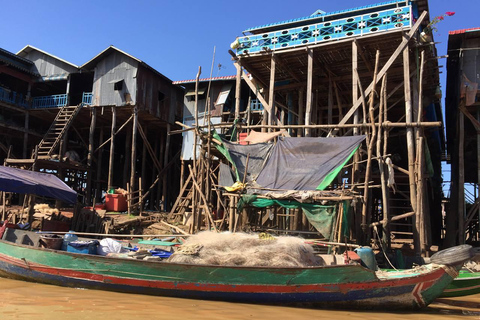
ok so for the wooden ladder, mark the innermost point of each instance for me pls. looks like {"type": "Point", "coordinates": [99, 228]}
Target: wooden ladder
{"type": "Point", "coordinates": [57, 130]}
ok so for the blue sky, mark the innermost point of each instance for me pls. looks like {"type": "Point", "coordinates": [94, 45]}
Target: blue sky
{"type": "Point", "coordinates": [174, 37]}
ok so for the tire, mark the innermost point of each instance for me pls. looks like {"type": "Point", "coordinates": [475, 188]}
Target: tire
{"type": "Point", "coordinates": [453, 256]}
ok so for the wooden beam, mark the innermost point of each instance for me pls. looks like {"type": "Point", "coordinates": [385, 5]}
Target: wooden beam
{"type": "Point", "coordinates": [133, 158]}
{"type": "Point", "coordinates": [93, 122]}
{"type": "Point", "coordinates": [385, 68]}
{"type": "Point", "coordinates": [238, 86]}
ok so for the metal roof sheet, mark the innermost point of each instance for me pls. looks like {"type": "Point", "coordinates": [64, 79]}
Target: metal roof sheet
{"type": "Point", "coordinates": [205, 79]}
{"type": "Point", "coordinates": [28, 48]}
{"type": "Point", "coordinates": [462, 31]}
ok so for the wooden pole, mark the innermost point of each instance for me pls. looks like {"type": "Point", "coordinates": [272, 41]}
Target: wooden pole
{"type": "Point", "coordinates": [165, 162]}
{"type": "Point", "coordinates": [112, 148]}
{"type": "Point", "coordinates": [420, 219]}
{"type": "Point", "coordinates": [330, 100]}
{"type": "Point", "coordinates": [365, 218]}
{"type": "Point", "coordinates": [308, 111]}
{"type": "Point", "coordinates": [25, 135]}
{"type": "Point", "coordinates": [410, 142]}
{"type": "Point", "coordinates": [301, 95]}
{"type": "Point", "coordinates": [133, 159]}
{"type": "Point", "coordinates": [271, 93]}
{"type": "Point", "coordinates": [90, 154]}
{"type": "Point", "coordinates": [144, 160]}
{"type": "Point", "coordinates": [98, 184]}
{"type": "Point", "coordinates": [461, 177]}
{"type": "Point", "coordinates": [355, 86]}
{"type": "Point", "coordinates": [238, 86]}
{"type": "Point", "coordinates": [381, 163]}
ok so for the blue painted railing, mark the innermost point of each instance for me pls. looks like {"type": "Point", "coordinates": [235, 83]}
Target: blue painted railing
{"type": "Point", "coordinates": [255, 105]}
{"type": "Point", "coordinates": [13, 97]}
{"type": "Point", "coordinates": [58, 100]}
{"type": "Point", "coordinates": [354, 26]}
{"type": "Point", "coordinates": [87, 98]}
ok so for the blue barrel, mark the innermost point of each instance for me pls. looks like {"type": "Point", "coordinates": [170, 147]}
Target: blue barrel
{"type": "Point", "coordinates": [368, 257]}
{"type": "Point", "coordinates": [69, 237]}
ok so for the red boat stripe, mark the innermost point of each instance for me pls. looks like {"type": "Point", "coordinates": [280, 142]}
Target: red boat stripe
{"type": "Point", "coordinates": [428, 279]}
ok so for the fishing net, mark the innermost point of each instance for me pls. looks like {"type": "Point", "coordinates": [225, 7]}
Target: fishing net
{"type": "Point", "coordinates": [241, 249]}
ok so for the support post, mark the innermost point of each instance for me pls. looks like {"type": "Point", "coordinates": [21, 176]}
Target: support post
{"type": "Point", "coordinates": [238, 86]}
{"type": "Point", "coordinates": [133, 159]}
{"type": "Point", "coordinates": [165, 162]}
{"type": "Point", "coordinates": [410, 142]}
{"type": "Point", "coordinates": [301, 102]}
{"type": "Point", "coordinates": [271, 93]}
{"type": "Point", "coordinates": [308, 111]}
{"type": "Point", "coordinates": [93, 122]}
{"type": "Point", "coordinates": [112, 148]}
{"type": "Point", "coordinates": [25, 135]}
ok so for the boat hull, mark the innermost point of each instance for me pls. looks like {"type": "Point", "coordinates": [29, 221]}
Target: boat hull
{"type": "Point", "coordinates": [331, 286]}
{"type": "Point", "coordinates": [467, 283]}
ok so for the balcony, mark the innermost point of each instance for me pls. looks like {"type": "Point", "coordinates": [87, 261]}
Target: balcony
{"type": "Point", "coordinates": [58, 100]}
{"type": "Point", "coordinates": [87, 98]}
{"type": "Point", "coordinates": [13, 97]}
{"type": "Point", "coordinates": [349, 27]}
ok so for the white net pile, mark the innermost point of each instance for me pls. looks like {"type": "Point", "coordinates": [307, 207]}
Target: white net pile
{"type": "Point", "coordinates": [240, 249]}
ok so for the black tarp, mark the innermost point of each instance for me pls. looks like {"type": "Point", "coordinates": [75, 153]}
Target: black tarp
{"type": "Point", "coordinates": [306, 163]}
{"type": "Point", "coordinates": [258, 154]}
{"type": "Point", "coordinates": [38, 183]}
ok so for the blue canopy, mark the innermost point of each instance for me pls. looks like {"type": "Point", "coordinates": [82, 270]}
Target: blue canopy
{"type": "Point", "coordinates": [38, 183]}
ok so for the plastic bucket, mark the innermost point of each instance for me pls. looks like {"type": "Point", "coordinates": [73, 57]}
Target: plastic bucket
{"type": "Point", "coordinates": [51, 241]}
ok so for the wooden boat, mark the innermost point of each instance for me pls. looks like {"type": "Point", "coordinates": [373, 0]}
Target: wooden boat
{"type": "Point", "coordinates": [330, 286]}
{"type": "Point", "coordinates": [465, 284]}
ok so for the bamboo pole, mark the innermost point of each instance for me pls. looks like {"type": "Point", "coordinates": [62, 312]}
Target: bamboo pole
{"type": "Point", "coordinates": [370, 150]}
{"type": "Point", "coordinates": [112, 148]}
{"type": "Point", "coordinates": [381, 163]}
{"type": "Point", "coordinates": [133, 159]}
{"type": "Point", "coordinates": [420, 217]}
{"type": "Point", "coordinates": [301, 123]}
{"type": "Point", "coordinates": [271, 93]}
{"type": "Point", "coordinates": [238, 86]}
{"type": "Point", "coordinates": [308, 109]}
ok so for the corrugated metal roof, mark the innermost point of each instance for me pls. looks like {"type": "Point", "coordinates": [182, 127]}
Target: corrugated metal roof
{"type": "Point", "coordinates": [89, 65]}
{"type": "Point", "coordinates": [55, 77]}
{"type": "Point", "coordinates": [17, 62]}
{"type": "Point", "coordinates": [28, 48]}
{"type": "Point", "coordinates": [462, 31]}
{"type": "Point", "coordinates": [205, 79]}
{"type": "Point", "coordinates": [324, 15]}
{"type": "Point", "coordinates": [14, 56]}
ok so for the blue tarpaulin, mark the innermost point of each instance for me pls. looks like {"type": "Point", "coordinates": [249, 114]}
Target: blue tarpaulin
{"type": "Point", "coordinates": [38, 183]}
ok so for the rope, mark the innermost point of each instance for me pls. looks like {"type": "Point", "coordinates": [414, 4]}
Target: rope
{"type": "Point", "coordinates": [383, 251]}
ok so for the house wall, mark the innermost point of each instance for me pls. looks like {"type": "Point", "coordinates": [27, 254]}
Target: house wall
{"type": "Point", "coordinates": [157, 96]}
{"type": "Point", "coordinates": [115, 67]}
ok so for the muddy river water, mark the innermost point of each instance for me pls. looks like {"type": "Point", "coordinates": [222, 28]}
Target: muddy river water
{"type": "Point", "coordinates": [24, 300]}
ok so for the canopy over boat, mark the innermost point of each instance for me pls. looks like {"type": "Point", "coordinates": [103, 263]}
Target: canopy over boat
{"type": "Point", "coordinates": [38, 183]}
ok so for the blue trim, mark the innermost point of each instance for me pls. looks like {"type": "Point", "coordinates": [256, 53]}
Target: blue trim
{"type": "Point", "coordinates": [347, 27]}
{"type": "Point", "coordinates": [326, 15]}
{"type": "Point", "coordinates": [53, 101]}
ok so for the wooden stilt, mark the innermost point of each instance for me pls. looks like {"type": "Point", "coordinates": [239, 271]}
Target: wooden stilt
{"type": "Point", "coordinates": [165, 176]}
{"type": "Point", "coordinates": [238, 86]}
{"type": "Point", "coordinates": [365, 218]}
{"type": "Point", "coordinates": [90, 154]}
{"type": "Point", "coordinates": [112, 148]}
{"type": "Point", "coordinates": [271, 93]}
{"type": "Point", "coordinates": [98, 184]}
{"type": "Point", "coordinates": [133, 158]}
{"type": "Point", "coordinates": [300, 112]}
{"type": "Point", "coordinates": [308, 110]}
{"type": "Point", "coordinates": [410, 142]}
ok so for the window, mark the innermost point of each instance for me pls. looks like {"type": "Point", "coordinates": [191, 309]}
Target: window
{"type": "Point", "coordinates": [118, 86]}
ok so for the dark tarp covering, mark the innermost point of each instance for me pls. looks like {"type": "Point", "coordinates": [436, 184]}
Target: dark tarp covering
{"type": "Point", "coordinates": [258, 154]}
{"type": "Point", "coordinates": [307, 163]}
{"type": "Point", "coordinates": [31, 182]}
{"type": "Point", "coordinates": [225, 176]}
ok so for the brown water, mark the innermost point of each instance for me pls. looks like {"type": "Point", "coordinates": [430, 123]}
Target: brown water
{"type": "Point", "coordinates": [24, 300]}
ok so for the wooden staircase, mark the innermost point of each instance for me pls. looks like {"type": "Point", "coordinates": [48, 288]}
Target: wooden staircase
{"type": "Point", "coordinates": [55, 133]}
